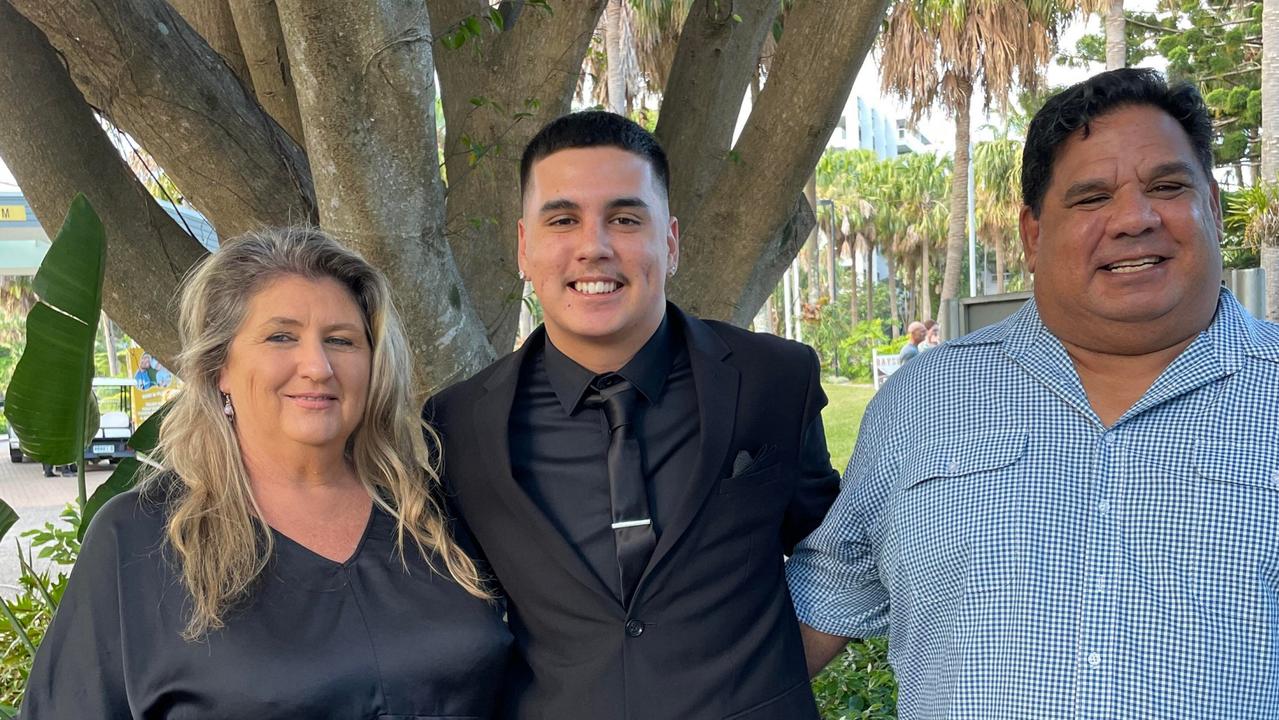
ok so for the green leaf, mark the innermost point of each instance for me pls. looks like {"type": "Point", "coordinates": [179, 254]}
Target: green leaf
{"type": "Point", "coordinates": [48, 401]}
{"type": "Point", "coordinates": [495, 18]}
{"type": "Point", "coordinates": [472, 25]}
{"type": "Point", "coordinates": [7, 517]}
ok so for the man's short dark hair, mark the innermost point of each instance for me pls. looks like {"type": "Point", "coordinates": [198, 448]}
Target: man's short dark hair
{"type": "Point", "coordinates": [595, 128]}
{"type": "Point", "coordinates": [1080, 104]}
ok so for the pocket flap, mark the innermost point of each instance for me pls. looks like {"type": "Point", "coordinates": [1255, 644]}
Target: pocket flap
{"type": "Point", "coordinates": [963, 455]}
{"type": "Point", "coordinates": [1238, 464]}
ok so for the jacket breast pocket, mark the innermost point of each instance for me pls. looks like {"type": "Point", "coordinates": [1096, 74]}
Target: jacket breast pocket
{"type": "Point", "coordinates": [1236, 571]}
{"type": "Point", "coordinates": [955, 520]}
{"type": "Point", "coordinates": [752, 479]}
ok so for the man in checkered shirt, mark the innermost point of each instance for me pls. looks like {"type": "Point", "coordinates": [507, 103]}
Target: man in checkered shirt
{"type": "Point", "coordinates": [1088, 526]}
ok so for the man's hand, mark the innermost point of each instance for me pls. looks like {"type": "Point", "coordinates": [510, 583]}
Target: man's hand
{"type": "Point", "coordinates": [820, 648]}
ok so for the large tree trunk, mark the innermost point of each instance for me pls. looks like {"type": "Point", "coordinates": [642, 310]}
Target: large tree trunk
{"type": "Point", "coordinates": [56, 148]}
{"type": "Point", "coordinates": [613, 49]}
{"type": "Point", "coordinates": [214, 21]}
{"type": "Point", "coordinates": [1116, 41]}
{"type": "Point", "coordinates": [955, 234]}
{"type": "Point", "coordinates": [367, 99]}
{"type": "Point", "coordinates": [1270, 143]}
{"type": "Point", "coordinates": [736, 251]}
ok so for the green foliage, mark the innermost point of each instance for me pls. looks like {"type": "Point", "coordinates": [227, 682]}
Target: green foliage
{"type": "Point", "coordinates": [858, 684]}
{"type": "Point", "coordinates": [1214, 44]}
{"type": "Point", "coordinates": [25, 618]}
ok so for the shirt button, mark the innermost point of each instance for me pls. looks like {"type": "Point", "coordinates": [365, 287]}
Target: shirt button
{"type": "Point", "coordinates": [634, 628]}
{"type": "Point", "coordinates": [1103, 507]}
{"type": "Point", "coordinates": [1094, 659]}
{"type": "Point", "coordinates": [952, 467]}
{"type": "Point", "coordinates": [1108, 438]}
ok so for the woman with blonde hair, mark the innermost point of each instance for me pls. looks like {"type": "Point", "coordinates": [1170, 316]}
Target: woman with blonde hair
{"type": "Point", "coordinates": [292, 560]}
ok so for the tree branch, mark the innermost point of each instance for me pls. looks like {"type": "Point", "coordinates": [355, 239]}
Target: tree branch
{"type": "Point", "coordinates": [212, 19]}
{"type": "Point", "coordinates": [55, 147]}
{"type": "Point", "coordinates": [366, 94]}
{"type": "Point", "coordinates": [144, 67]}
{"type": "Point", "coordinates": [733, 249]}
{"type": "Point", "coordinates": [258, 23]}
{"type": "Point", "coordinates": [714, 63]}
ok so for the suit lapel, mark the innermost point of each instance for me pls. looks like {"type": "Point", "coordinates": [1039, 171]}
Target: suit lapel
{"type": "Point", "coordinates": [716, 385]}
{"type": "Point", "coordinates": [491, 420]}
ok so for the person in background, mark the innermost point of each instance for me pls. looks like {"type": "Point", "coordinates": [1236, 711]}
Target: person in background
{"type": "Point", "coordinates": [915, 334]}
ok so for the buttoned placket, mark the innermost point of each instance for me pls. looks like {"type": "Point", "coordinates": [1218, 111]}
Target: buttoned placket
{"type": "Point", "coordinates": [1098, 617]}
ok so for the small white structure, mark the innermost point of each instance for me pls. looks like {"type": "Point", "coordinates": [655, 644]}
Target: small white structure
{"type": "Point", "coordinates": [882, 366]}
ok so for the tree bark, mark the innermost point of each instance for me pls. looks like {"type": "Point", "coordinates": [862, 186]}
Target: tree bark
{"type": "Point", "coordinates": [1000, 262]}
{"type": "Point", "coordinates": [832, 261]}
{"type": "Point", "coordinates": [1116, 39]}
{"type": "Point", "coordinates": [143, 67]}
{"type": "Point", "coordinates": [955, 235]}
{"type": "Point", "coordinates": [734, 252]}
{"type": "Point", "coordinates": [497, 92]}
{"type": "Point", "coordinates": [1270, 143]}
{"type": "Point", "coordinates": [869, 249]}
{"type": "Point", "coordinates": [213, 20]}
{"type": "Point", "coordinates": [366, 94]}
{"type": "Point", "coordinates": [262, 40]}
{"type": "Point", "coordinates": [925, 292]}
{"type": "Point", "coordinates": [893, 311]}
{"type": "Point", "coordinates": [714, 64]}
{"type": "Point", "coordinates": [810, 245]}
{"type": "Point", "coordinates": [613, 49]}
{"type": "Point", "coordinates": [854, 309]}
{"type": "Point", "coordinates": [55, 147]}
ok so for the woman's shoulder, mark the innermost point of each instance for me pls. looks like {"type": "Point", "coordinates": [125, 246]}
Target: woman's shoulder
{"type": "Point", "coordinates": [133, 521]}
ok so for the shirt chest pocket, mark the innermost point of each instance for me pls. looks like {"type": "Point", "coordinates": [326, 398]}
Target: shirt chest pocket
{"type": "Point", "coordinates": [1236, 570]}
{"type": "Point", "coordinates": [956, 518]}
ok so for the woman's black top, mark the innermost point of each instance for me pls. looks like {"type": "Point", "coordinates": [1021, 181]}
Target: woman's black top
{"type": "Point", "coordinates": [314, 639]}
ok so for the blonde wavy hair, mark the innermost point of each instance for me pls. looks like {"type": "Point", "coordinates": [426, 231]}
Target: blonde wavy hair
{"type": "Point", "coordinates": [215, 528]}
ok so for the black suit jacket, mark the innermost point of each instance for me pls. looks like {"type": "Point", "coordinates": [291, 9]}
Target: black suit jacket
{"type": "Point", "coordinates": [711, 632]}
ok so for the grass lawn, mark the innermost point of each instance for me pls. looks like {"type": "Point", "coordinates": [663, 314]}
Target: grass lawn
{"type": "Point", "coordinates": [842, 417]}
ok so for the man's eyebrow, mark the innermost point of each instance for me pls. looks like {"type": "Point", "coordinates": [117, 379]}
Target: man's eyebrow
{"type": "Point", "coordinates": [559, 204]}
{"type": "Point", "coordinates": [1176, 167]}
{"type": "Point", "coordinates": [1085, 187]}
{"type": "Point", "coordinates": [627, 202]}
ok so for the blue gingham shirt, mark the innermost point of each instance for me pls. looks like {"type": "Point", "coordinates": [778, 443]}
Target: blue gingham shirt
{"type": "Point", "coordinates": [1031, 563]}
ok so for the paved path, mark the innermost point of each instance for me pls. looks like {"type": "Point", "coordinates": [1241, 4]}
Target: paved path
{"type": "Point", "coordinates": [37, 500]}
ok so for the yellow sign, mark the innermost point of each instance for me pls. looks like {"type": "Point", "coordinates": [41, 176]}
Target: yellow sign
{"type": "Point", "coordinates": [12, 213]}
{"type": "Point", "coordinates": [154, 384]}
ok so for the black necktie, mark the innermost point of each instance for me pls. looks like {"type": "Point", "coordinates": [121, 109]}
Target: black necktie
{"type": "Point", "coordinates": [632, 523]}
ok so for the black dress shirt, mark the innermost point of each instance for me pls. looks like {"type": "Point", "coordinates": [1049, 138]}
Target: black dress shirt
{"type": "Point", "coordinates": [559, 447]}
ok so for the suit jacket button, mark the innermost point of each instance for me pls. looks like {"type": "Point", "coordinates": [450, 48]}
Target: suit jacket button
{"type": "Point", "coordinates": [634, 628]}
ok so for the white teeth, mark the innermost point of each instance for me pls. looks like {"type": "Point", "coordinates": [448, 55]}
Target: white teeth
{"type": "Point", "coordinates": [1130, 266]}
{"type": "Point", "coordinates": [595, 288]}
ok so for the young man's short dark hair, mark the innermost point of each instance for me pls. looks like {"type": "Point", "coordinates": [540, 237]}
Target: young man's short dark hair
{"type": "Point", "coordinates": [595, 128]}
{"type": "Point", "coordinates": [1081, 104]}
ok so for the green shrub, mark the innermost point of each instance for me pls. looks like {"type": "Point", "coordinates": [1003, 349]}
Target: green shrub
{"type": "Point", "coordinates": [858, 684]}
{"type": "Point", "coordinates": [25, 617]}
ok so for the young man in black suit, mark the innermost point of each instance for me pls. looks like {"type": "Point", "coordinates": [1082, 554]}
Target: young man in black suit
{"type": "Point", "coordinates": [635, 475]}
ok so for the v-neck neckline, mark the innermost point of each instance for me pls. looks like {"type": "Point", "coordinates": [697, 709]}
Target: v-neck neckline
{"type": "Point", "coordinates": [327, 561]}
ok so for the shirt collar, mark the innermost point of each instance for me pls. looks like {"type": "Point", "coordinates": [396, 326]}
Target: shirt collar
{"type": "Point", "coordinates": [647, 370]}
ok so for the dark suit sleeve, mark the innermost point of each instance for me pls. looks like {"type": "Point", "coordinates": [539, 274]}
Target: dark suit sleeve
{"type": "Point", "coordinates": [818, 481]}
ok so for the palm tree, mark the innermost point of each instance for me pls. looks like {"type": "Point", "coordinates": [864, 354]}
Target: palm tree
{"type": "Point", "coordinates": [997, 184]}
{"type": "Point", "coordinates": [1116, 40]}
{"type": "Point", "coordinates": [922, 200]}
{"type": "Point", "coordinates": [614, 42]}
{"type": "Point", "coordinates": [942, 50]}
{"type": "Point", "coordinates": [845, 177]}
